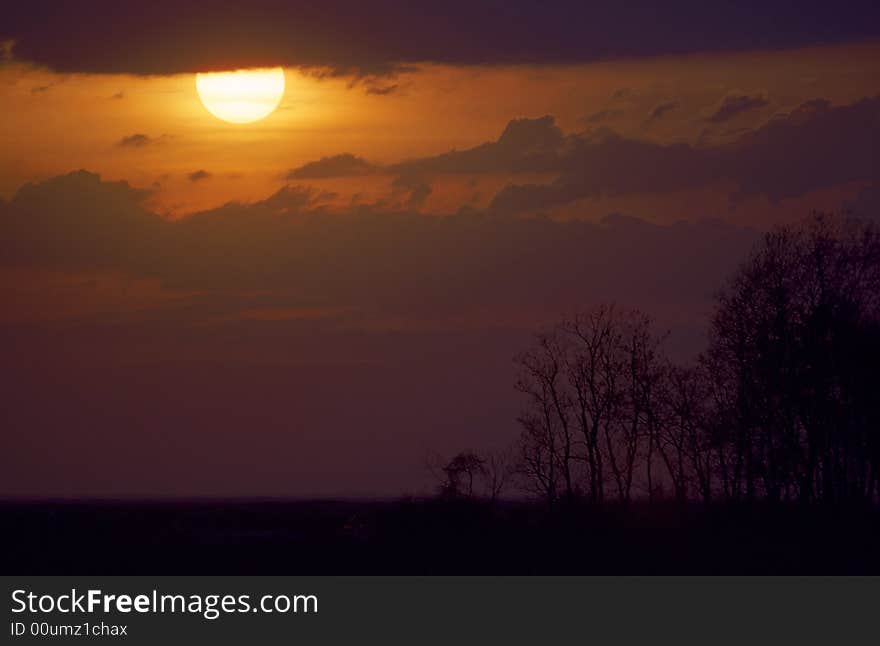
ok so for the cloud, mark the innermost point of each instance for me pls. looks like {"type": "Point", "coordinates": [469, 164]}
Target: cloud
{"type": "Point", "coordinates": [735, 105]}
{"type": "Point", "coordinates": [609, 164]}
{"type": "Point", "coordinates": [817, 145]}
{"type": "Point", "coordinates": [198, 176]}
{"type": "Point", "coordinates": [166, 36]}
{"type": "Point", "coordinates": [525, 145]}
{"type": "Point", "coordinates": [396, 262]}
{"type": "Point", "coordinates": [662, 110]}
{"type": "Point", "coordinates": [415, 187]}
{"type": "Point", "coordinates": [138, 140]}
{"type": "Point", "coordinates": [813, 147]}
{"type": "Point", "coordinates": [383, 90]}
{"type": "Point", "coordinates": [77, 220]}
{"type": "Point", "coordinates": [344, 165]}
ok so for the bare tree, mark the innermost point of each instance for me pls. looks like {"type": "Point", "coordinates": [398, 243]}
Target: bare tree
{"type": "Point", "coordinates": [593, 386]}
{"type": "Point", "coordinates": [645, 397]}
{"type": "Point", "coordinates": [592, 371]}
{"type": "Point", "coordinates": [538, 459]}
{"type": "Point", "coordinates": [548, 442]}
{"type": "Point", "coordinates": [684, 440]}
{"type": "Point", "coordinates": [497, 472]}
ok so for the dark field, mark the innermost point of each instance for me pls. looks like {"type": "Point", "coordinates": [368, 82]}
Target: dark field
{"type": "Point", "coordinates": [431, 537]}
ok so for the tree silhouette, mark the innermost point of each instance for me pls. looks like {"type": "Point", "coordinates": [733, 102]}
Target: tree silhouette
{"type": "Point", "coordinates": [472, 475]}
{"type": "Point", "coordinates": [794, 354]}
{"type": "Point", "coordinates": [782, 406]}
{"type": "Point", "coordinates": [461, 472]}
{"type": "Point", "coordinates": [593, 387]}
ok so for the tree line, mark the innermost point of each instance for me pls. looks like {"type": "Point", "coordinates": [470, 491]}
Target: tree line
{"type": "Point", "coordinates": [782, 405]}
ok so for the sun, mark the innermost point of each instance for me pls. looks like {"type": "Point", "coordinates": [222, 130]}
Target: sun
{"type": "Point", "coordinates": [243, 96]}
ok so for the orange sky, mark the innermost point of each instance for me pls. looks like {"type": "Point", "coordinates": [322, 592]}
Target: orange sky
{"type": "Point", "coordinates": [55, 123]}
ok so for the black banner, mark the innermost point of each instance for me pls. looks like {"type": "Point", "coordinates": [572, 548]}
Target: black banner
{"type": "Point", "coordinates": [465, 610]}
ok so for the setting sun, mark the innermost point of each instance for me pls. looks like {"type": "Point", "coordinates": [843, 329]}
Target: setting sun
{"type": "Point", "coordinates": [243, 96]}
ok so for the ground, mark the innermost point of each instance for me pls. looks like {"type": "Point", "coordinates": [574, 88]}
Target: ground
{"type": "Point", "coordinates": [432, 537]}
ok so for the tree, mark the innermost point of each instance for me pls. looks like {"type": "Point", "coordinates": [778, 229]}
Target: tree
{"type": "Point", "coordinates": [547, 443]}
{"type": "Point", "coordinates": [593, 386]}
{"type": "Point", "coordinates": [461, 473]}
{"type": "Point", "coordinates": [472, 475]}
{"type": "Point", "coordinates": [684, 437]}
{"type": "Point", "coordinates": [793, 353]}
{"type": "Point", "coordinates": [592, 370]}
{"type": "Point", "coordinates": [782, 406]}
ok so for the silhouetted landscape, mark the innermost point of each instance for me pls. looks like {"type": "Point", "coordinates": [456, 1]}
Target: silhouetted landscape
{"type": "Point", "coordinates": [760, 457]}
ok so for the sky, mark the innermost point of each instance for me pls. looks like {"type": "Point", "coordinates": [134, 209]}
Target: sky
{"type": "Point", "coordinates": [314, 303]}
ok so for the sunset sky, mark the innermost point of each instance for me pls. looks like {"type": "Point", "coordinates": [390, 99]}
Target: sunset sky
{"type": "Point", "coordinates": [312, 303]}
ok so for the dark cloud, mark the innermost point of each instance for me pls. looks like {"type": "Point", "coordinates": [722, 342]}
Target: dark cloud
{"type": "Point", "coordinates": [735, 105]}
{"type": "Point", "coordinates": [344, 165]}
{"type": "Point", "coordinates": [609, 164]}
{"type": "Point", "coordinates": [815, 146]}
{"type": "Point", "coordinates": [65, 220]}
{"type": "Point", "coordinates": [349, 36]}
{"type": "Point", "coordinates": [662, 110]}
{"type": "Point", "coordinates": [355, 258]}
{"type": "Point", "coordinates": [137, 140]}
{"type": "Point", "coordinates": [198, 175]}
{"type": "Point", "coordinates": [524, 145]}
